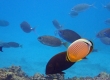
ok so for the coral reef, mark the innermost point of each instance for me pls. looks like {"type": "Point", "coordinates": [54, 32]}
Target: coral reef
{"type": "Point", "coordinates": [15, 73]}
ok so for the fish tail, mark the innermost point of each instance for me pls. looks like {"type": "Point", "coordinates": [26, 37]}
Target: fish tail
{"type": "Point", "coordinates": [34, 30]}
{"type": "Point", "coordinates": [94, 6]}
{"type": "Point", "coordinates": [21, 46]}
{"type": "Point", "coordinates": [66, 44]}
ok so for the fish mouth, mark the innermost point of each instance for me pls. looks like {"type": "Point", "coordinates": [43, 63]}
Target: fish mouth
{"type": "Point", "coordinates": [40, 40]}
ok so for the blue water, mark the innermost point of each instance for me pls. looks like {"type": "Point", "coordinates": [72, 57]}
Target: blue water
{"type": "Point", "coordinates": [34, 56]}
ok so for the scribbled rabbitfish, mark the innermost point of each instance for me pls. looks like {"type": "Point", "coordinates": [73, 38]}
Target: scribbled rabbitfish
{"type": "Point", "coordinates": [107, 6]}
{"type": "Point", "coordinates": [73, 13]}
{"type": "Point", "coordinates": [57, 24]}
{"type": "Point", "coordinates": [107, 21]}
{"type": "Point", "coordinates": [14, 44]}
{"type": "Point", "coordinates": [107, 33]}
{"type": "Point", "coordinates": [69, 35]}
{"type": "Point", "coordinates": [104, 33]}
{"type": "Point", "coordinates": [5, 45]}
{"type": "Point", "coordinates": [50, 40]}
{"type": "Point", "coordinates": [105, 40]}
{"type": "Point", "coordinates": [25, 26]}
{"type": "Point", "coordinates": [4, 23]}
{"type": "Point", "coordinates": [81, 7]}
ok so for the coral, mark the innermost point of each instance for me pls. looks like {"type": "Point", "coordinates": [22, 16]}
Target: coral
{"type": "Point", "coordinates": [12, 73]}
{"type": "Point", "coordinates": [38, 76]}
{"type": "Point", "coordinates": [15, 73]}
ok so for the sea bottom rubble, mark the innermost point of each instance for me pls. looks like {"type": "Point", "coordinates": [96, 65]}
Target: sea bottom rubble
{"type": "Point", "coordinates": [15, 73]}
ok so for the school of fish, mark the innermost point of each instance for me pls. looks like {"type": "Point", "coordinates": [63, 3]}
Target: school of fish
{"type": "Point", "coordinates": [77, 47]}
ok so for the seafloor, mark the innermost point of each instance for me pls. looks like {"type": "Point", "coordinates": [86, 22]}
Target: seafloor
{"type": "Point", "coordinates": [15, 73]}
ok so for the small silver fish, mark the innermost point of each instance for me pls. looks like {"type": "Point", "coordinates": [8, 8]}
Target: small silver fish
{"type": "Point", "coordinates": [105, 40]}
{"type": "Point", "coordinates": [4, 44]}
{"type": "Point", "coordinates": [107, 33]}
{"type": "Point", "coordinates": [50, 41]}
{"type": "Point", "coordinates": [73, 13]}
{"type": "Point", "coordinates": [107, 6]}
{"type": "Point", "coordinates": [103, 33]}
{"type": "Point", "coordinates": [14, 44]}
{"type": "Point", "coordinates": [4, 23]}
{"type": "Point", "coordinates": [81, 7]}
{"type": "Point", "coordinates": [107, 21]}
{"type": "Point", "coordinates": [26, 27]}
{"type": "Point", "coordinates": [57, 24]}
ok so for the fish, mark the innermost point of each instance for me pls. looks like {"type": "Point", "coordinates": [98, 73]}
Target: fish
{"type": "Point", "coordinates": [56, 24]}
{"type": "Point", "coordinates": [77, 50]}
{"type": "Point", "coordinates": [1, 49]}
{"type": "Point", "coordinates": [107, 33]}
{"type": "Point", "coordinates": [51, 41]}
{"type": "Point", "coordinates": [107, 6]}
{"type": "Point", "coordinates": [25, 26]}
{"type": "Point", "coordinates": [105, 40]}
{"type": "Point", "coordinates": [14, 44]}
{"type": "Point", "coordinates": [69, 35]}
{"type": "Point", "coordinates": [4, 23]}
{"type": "Point", "coordinates": [81, 7]}
{"type": "Point", "coordinates": [107, 21]}
{"type": "Point", "coordinates": [73, 13]}
{"type": "Point", "coordinates": [5, 45]}
{"type": "Point", "coordinates": [103, 33]}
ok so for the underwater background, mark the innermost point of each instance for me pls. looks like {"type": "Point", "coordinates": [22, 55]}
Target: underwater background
{"type": "Point", "coordinates": [33, 56]}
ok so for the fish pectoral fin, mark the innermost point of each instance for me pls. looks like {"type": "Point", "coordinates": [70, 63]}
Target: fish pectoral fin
{"type": "Point", "coordinates": [79, 60]}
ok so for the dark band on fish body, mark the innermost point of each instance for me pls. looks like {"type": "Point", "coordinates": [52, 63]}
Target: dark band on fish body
{"type": "Point", "coordinates": [58, 63]}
